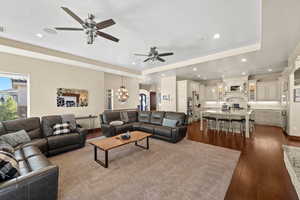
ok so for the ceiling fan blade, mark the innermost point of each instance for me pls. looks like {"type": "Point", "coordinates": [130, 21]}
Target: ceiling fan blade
{"type": "Point", "coordinates": [68, 29]}
{"type": "Point", "coordinates": [107, 36]}
{"type": "Point", "coordinates": [160, 59]}
{"type": "Point", "coordinates": [166, 54]}
{"type": "Point", "coordinates": [67, 10]}
{"type": "Point", "coordinates": [104, 24]}
{"type": "Point", "coordinates": [138, 54]}
{"type": "Point", "coordinates": [147, 60]}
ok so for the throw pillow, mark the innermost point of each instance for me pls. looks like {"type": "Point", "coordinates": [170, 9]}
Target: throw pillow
{"type": "Point", "coordinates": [63, 128]}
{"type": "Point", "coordinates": [71, 119]}
{"type": "Point", "coordinates": [9, 167]}
{"type": "Point", "coordinates": [124, 117]}
{"type": "Point", "coordinates": [17, 138]}
{"type": "Point", "coordinates": [170, 122]}
{"type": "Point", "coordinates": [4, 146]}
{"type": "Point", "coordinates": [116, 123]}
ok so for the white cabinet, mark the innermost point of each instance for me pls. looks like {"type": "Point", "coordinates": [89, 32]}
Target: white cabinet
{"type": "Point", "coordinates": [269, 117]}
{"type": "Point", "coordinates": [211, 93]}
{"type": "Point", "coordinates": [268, 91]}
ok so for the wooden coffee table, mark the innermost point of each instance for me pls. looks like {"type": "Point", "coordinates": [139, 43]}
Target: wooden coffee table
{"type": "Point", "coordinates": [115, 141]}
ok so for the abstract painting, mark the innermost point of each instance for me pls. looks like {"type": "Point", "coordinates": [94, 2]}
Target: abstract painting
{"type": "Point", "coordinates": [71, 98]}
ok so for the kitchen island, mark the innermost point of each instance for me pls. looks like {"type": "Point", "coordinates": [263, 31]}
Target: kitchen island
{"type": "Point", "coordinates": [232, 113]}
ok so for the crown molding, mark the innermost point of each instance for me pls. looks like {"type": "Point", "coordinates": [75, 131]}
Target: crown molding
{"type": "Point", "coordinates": [203, 59]}
{"type": "Point", "coordinates": [28, 50]}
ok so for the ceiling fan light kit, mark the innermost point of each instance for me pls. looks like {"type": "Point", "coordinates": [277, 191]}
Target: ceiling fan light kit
{"type": "Point", "coordinates": [91, 28]}
{"type": "Point", "coordinates": [153, 55]}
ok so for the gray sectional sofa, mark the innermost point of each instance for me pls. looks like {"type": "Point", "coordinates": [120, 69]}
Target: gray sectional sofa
{"type": "Point", "coordinates": [150, 122]}
{"type": "Point", "coordinates": [38, 177]}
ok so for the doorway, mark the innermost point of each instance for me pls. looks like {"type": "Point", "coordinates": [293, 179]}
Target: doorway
{"type": "Point", "coordinates": [152, 101]}
{"type": "Point", "coordinates": [143, 102]}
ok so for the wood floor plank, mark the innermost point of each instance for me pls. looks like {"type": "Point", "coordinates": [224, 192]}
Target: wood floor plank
{"type": "Point", "coordinates": [260, 173]}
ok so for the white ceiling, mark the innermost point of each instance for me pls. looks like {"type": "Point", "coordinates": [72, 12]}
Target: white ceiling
{"type": "Point", "coordinates": [280, 36]}
{"type": "Point", "coordinates": [183, 27]}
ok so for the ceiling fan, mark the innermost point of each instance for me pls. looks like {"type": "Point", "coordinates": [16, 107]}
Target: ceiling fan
{"type": "Point", "coordinates": [153, 55]}
{"type": "Point", "coordinates": [90, 27]}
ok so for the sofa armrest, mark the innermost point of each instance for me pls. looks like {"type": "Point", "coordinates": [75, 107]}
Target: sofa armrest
{"type": "Point", "coordinates": [178, 133]}
{"type": "Point", "coordinates": [108, 130]}
{"type": "Point", "coordinates": [83, 133]}
{"type": "Point", "coordinates": [40, 184]}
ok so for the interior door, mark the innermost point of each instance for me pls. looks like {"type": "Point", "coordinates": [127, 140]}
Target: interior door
{"type": "Point", "coordinates": [153, 101]}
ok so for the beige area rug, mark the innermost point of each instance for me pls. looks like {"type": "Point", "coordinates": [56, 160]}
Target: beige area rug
{"type": "Point", "coordinates": [185, 171]}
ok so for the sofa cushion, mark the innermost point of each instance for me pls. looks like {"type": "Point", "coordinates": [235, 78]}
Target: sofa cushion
{"type": "Point", "coordinates": [4, 146]}
{"type": "Point", "coordinates": [48, 122]}
{"type": "Point", "coordinates": [23, 167]}
{"type": "Point", "coordinates": [39, 143]}
{"type": "Point", "coordinates": [123, 128]}
{"type": "Point", "coordinates": [17, 138]}
{"type": "Point", "coordinates": [70, 118]}
{"type": "Point", "coordinates": [9, 167]}
{"type": "Point", "coordinates": [144, 116]}
{"type": "Point", "coordinates": [2, 130]}
{"type": "Point", "coordinates": [163, 131]}
{"type": "Point", "coordinates": [111, 116]}
{"type": "Point", "coordinates": [30, 125]}
{"type": "Point", "coordinates": [149, 128]}
{"type": "Point", "coordinates": [170, 122]}
{"type": "Point", "coordinates": [58, 141]}
{"type": "Point", "coordinates": [180, 117]}
{"type": "Point", "coordinates": [38, 162]}
{"type": "Point", "coordinates": [157, 118]}
{"type": "Point", "coordinates": [22, 153]}
{"type": "Point", "coordinates": [132, 116]}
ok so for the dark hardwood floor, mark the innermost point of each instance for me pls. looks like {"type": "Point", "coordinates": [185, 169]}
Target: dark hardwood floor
{"type": "Point", "coordinates": [260, 173]}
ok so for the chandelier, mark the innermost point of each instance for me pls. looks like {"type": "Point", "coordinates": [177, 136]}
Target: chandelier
{"type": "Point", "coordinates": [122, 93]}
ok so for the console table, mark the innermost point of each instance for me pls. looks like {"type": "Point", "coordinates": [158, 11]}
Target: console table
{"type": "Point", "coordinates": [91, 119]}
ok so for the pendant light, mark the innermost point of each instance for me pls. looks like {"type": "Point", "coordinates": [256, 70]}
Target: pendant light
{"type": "Point", "coordinates": [122, 93]}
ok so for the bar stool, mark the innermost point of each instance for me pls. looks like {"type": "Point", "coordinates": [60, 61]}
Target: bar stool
{"type": "Point", "coordinates": [211, 122]}
{"type": "Point", "coordinates": [240, 120]}
{"type": "Point", "coordinates": [252, 121]}
{"type": "Point", "coordinates": [224, 122]}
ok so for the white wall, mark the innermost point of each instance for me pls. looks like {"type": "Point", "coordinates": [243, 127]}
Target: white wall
{"type": "Point", "coordinates": [46, 77]}
{"type": "Point", "coordinates": [294, 108]}
{"type": "Point", "coordinates": [168, 87]}
{"type": "Point", "coordinates": [112, 81]}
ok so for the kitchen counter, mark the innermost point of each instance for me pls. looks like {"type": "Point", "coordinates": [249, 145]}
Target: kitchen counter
{"type": "Point", "coordinates": [242, 113]}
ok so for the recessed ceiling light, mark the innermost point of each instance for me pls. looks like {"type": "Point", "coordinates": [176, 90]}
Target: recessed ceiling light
{"type": "Point", "coordinates": [243, 73]}
{"type": "Point", "coordinates": [133, 63]}
{"type": "Point", "coordinates": [270, 70]}
{"type": "Point", "coordinates": [39, 35]}
{"type": "Point", "coordinates": [199, 76]}
{"type": "Point", "coordinates": [217, 36]}
{"type": "Point", "coordinates": [244, 60]}
{"type": "Point", "coordinates": [194, 69]}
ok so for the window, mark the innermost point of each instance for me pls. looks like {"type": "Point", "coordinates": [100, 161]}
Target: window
{"type": "Point", "coordinates": [109, 99]}
{"type": "Point", "coordinates": [13, 96]}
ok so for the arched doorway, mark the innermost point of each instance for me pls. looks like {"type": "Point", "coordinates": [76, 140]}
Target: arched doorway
{"type": "Point", "coordinates": [143, 102]}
